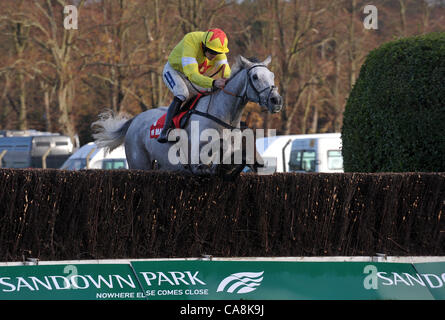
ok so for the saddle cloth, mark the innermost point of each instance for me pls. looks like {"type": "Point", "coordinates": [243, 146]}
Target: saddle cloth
{"type": "Point", "coordinates": [156, 128]}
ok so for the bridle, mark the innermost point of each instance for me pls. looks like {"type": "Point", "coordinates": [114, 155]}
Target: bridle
{"type": "Point", "coordinates": [249, 79]}
{"type": "Point", "coordinates": [243, 96]}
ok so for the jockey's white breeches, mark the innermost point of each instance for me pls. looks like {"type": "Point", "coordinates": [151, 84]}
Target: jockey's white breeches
{"type": "Point", "coordinates": [179, 85]}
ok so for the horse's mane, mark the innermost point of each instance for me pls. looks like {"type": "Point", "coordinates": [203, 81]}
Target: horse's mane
{"type": "Point", "coordinates": [239, 65]}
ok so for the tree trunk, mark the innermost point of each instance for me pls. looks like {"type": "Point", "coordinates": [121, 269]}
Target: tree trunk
{"type": "Point", "coordinates": [337, 103]}
{"type": "Point", "coordinates": [307, 110]}
{"type": "Point", "coordinates": [352, 47]}
{"type": "Point", "coordinates": [66, 125]}
{"type": "Point", "coordinates": [3, 100]}
{"type": "Point", "coordinates": [47, 103]}
{"type": "Point", "coordinates": [23, 123]}
{"type": "Point", "coordinates": [426, 17]}
{"type": "Point", "coordinates": [314, 126]}
{"type": "Point", "coordinates": [403, 17]}
{"type": "Point", "coordinates": [20, 41]}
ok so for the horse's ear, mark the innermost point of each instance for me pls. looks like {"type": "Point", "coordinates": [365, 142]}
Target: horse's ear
{"type": "Point", "coordinates": [244, 62]}
{"type": "Point", "coordinates": [267, 61]}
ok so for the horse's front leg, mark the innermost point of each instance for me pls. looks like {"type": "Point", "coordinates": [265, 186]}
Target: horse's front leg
{"type": "Point", "coordinates": [209, 156]}
{"type": "Point", "coordinates": [258, 162]}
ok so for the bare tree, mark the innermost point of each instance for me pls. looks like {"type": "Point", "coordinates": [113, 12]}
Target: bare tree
{"type": "Point", "coordinates": [403, 4]}
{"type": "Point", "coordinates": [46, 18]}
{"type": "Point", "coordinates": [196, 14]}
{"type": "Point", "coordinates": [426, 13]}
{"type": "Point", "coordinates": [18, 30]}
{"type": "Point", "coordinates": [294, 24]}
{"type": "Point", "coordinates": [352, 45]}
{"type": "Point", "coordinates": [125, 63]}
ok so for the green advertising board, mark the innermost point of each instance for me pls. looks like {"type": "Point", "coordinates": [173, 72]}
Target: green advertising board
{"type": "Point", "coordinates": [267, 280]}
{"type": "Point", "coordinates": [224, 280]}
{"type": "Point", "coordinates": [69, 282]}
{"type": "Point", "coordinates": [434, 273]}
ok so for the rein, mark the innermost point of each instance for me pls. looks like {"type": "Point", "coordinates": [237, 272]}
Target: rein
{"type": "Point", "coordinates": [213, 118]}
{"type": "Point", "coordinates": [243, 96]}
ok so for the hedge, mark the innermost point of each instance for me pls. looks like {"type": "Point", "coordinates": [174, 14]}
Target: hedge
{"type": "Point", "coordinates": [394, 119]}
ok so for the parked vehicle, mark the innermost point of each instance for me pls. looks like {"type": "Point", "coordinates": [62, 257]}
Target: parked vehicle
{"type": "Point", "coordinates": [302, 153]}
{"type": "Point", "coordinates": [90, 156]}
{"type": "Point", "coordinates": [25, 133]}
{"type": "Point", "coordinates": [35, 149]}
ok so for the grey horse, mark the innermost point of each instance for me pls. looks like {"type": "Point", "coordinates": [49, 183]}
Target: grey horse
{"type": "Point", "coordinates": [213, 114]}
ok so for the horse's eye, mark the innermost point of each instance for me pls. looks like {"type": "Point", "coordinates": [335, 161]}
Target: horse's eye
{"type": "Point", "coordinates": [255, 77]}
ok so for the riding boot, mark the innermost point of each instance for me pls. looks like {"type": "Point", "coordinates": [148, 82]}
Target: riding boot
{"type": "Point", "coordinates": [171, 112]}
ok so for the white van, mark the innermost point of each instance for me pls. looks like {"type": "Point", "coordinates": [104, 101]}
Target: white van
{"type": "Point", "coordinates": [302, 153]}
{"type": "Point", "coordinates": [90, 156]}
{"type": "Point", "coordinates": [35, 149]}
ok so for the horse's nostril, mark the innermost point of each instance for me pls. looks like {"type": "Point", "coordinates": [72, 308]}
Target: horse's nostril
{"type": "Point", "coordinates": [276, 100]}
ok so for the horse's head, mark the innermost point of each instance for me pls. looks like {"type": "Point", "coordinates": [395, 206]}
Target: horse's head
{"type": "Point", "coordinates": [261, 86]}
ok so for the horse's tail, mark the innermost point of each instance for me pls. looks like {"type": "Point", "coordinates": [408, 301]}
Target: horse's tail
{"type": "Point", "coordinates": [110, 129]}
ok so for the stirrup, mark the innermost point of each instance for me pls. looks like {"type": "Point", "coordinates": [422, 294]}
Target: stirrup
{"type": "Point", "coordinates": [163, 138]}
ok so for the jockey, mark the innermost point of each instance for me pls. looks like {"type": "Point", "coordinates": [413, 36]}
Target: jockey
{"type": "Point", "coordinates": [197, 64]}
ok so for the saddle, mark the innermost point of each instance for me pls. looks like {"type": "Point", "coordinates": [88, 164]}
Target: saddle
{"type": "Point", "coordinates": [179, 120]}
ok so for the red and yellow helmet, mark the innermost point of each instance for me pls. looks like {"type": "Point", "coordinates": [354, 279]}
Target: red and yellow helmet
{"type": "Point", "coordinates": [216, 40]}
